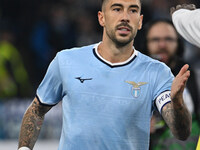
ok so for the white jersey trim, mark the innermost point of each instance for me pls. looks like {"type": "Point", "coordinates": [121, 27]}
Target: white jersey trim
{"type": "Point", "coordinates": [24, 148]}
{"type": "Point", "coordinates": [42, 103]}
{"type": "Point", "coordinates": [135, 53]}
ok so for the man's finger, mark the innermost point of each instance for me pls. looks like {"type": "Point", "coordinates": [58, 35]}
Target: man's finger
{"type": "Point", "coordinates": [191, 6]}
{"type": "Point", "coordinates": [183, 6]}
{"type": "Point", "coordinates": [172, 10]}
{"type": "Point", "coordinates": [184, 81]}
{"type": "Point", "coordinates": [183, 70]}
{"type": "Point", "coordinates": [188, 73]}
{"type": "Point", "coordinates": [178, 7]}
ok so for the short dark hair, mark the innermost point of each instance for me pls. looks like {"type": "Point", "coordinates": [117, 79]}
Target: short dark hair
{"type": "Point", "coordinates": [149, 25]}
{"type": "Point", "coordinates": [103, 1]}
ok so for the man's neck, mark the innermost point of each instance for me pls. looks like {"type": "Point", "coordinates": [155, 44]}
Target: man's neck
{"type": "Point", "coordinates": [113, 53]}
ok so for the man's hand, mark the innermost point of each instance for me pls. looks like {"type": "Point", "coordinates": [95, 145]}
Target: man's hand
{"type": "Point", "coordinates": [179, 84]}
{"type": "Point", "coordinates": [176, 114]}
{"type": "Point", "coordinates": [183, 6]}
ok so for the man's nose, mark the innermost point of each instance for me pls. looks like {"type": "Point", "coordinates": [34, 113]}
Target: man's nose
{"type": "Point", "coordinates": [162, 43]}
{"type": "Point", "coordinates": [125, 17]}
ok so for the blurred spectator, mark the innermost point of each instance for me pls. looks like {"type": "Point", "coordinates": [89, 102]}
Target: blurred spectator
{"type": "Point", "coordinates": [52, 33]}
{"type": "Point", "coordinates": [14, 80]}
{"type": "Point", "coordinates": [85, 27]}
{"type": "Point", "coordinates": [164, 44]}
{"type": "Point", "coordinates": [160, 8]}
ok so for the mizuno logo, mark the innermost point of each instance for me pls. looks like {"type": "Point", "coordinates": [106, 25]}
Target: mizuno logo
{"type": "Point", "coordinates": [82, 80]}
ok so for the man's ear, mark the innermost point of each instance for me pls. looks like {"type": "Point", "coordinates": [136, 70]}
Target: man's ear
{"type": "Point", "coordinates": [140, 22]}
{"type": "Point", "coordinates": [101, 18]}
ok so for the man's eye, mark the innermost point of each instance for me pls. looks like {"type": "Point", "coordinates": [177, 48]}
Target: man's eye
{"type": "Point", "coordinates": [133, 11]}
{"type": "Point", "coordinates": [116, 9]}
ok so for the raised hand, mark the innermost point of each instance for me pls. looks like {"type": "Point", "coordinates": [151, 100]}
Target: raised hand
{"type": "Point", "coordinates": [176, 114]}
{"type": "Point", "coordinates": [179, 83]}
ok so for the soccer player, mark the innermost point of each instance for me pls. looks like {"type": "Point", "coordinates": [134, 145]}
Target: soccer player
{"type": "Point", "coordinates": [109, 90]}
{"type": "Point", "coordinates": [186, 19]}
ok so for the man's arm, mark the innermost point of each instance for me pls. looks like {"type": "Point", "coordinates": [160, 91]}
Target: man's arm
{"type": "Point", "coordinates": [183, 6]}
{"type": "Point", "coordinates": [186, 19]}
{"type": "Point", "coordinates": [32, 123]}
{"type": "Point", "coordinates": [176, 114]}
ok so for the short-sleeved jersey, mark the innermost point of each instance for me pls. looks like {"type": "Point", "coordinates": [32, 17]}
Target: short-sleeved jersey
{"type": "Point", "coordinates": [106, 106]}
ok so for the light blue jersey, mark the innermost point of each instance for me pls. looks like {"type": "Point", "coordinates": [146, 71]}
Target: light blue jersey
{"type": "Point", "coordinates": [105, 106]}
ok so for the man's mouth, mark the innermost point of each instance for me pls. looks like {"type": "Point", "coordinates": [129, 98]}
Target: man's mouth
{"type": "Point", "coordinates": [124, 30]}
{"type": "Point", "coordinates": [161, 57]}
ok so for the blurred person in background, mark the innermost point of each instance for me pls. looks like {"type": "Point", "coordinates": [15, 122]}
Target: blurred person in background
{"type": "Point", "coordinates": [86, 29]}
{"type": "Point", "coordinates": [160, 8]}
{"type": "Point", "coordinates": [14, 81]}
{"type": "Point", "coordinates": [53, 31]}
{"type": "Point", "coordinates": [162, 42]}
{"type": "Point", "coordinates": [155, 9]}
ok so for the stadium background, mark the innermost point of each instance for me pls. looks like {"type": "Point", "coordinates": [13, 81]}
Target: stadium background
{"type": "Point", "coordinates": [31, 32]}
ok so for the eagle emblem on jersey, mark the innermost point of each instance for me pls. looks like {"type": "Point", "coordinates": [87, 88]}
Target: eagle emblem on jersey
{"type": "Point", "coordinates": [136, 87]}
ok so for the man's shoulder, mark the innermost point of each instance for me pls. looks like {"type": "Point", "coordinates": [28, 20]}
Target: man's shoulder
{"type": "Point", "coordinates": [153, 63]}
{"type": "Point", "coordinates": [147, 59]}
{"type": "Point", "coordinates": [74, 55]}
{"type": "Point", "coordinates": [77, 50]}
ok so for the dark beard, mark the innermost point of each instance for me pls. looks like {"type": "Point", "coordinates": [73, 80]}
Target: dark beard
{"type": "Point", "coordinates": [168, 63]}
{"type": "Point", "coordinates": [119, 43]}
{"type": "Point", "coordinates": [122, 44]}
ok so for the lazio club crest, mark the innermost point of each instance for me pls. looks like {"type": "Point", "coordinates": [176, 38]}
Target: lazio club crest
{"type": "Point", "coordinates": [136, 90]}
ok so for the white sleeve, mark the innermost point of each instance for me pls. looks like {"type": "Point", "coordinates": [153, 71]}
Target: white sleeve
{"type": "Point", "coordinates": [188, 100]}
{"type": "Point", "coordinates": [187, 23]}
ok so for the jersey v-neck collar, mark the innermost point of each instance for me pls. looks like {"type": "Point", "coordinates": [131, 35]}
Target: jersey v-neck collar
{"type": "Point", "coordinates": [112, 65]}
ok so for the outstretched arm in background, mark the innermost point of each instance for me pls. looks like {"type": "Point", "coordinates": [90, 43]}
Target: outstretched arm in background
{"type": "Point", "coordinates": [32, 123]}
{"type": "Point", "coordinates": [186, 19]}
{"type": "Point", "coordinates": [175, 114]}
